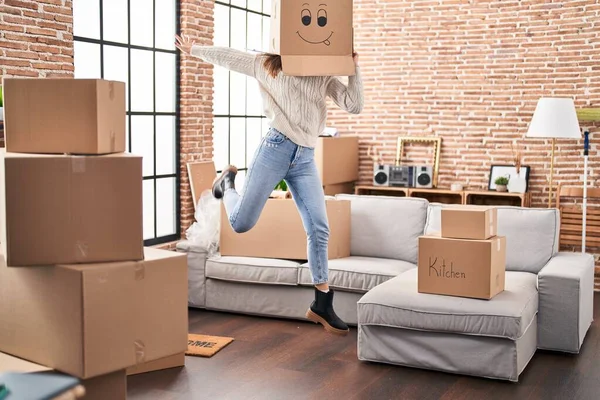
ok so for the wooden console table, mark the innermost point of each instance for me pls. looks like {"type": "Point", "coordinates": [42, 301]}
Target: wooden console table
{"type": "Point", "coordinates": [446, 196]}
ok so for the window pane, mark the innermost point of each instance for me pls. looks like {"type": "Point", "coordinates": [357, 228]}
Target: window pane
{"type": "Point", "coordinates": [148, 188]}
{"type": "Point", "coordinates": [255, 5]}
{"type": "Point", "coordinates": [238, 142]}
{"type": "Point", "coordinates": [115, 20]}
{"type": "Point", "coordinates": [221, 142]}
{"type": "Point", "coordinates": [238, 29]}
{"type": "Point", "coordinates": [265, 127]}
{"type": "Point", "coordinates": [87, 60]}
{"type": "Point", "coordinates": [165, 24]}
{"type": "Point", "coordinates": [237, 94]}
{"type": "Point", "coordinates": [116, 66]}
{"type": "Point", "coordinates": [221, 91]}
{"type": "Point", "coordinates": [239, 3]}
{"type": "Point", "coordinates": [165, 145]}
{"type": "Point", "coordinates": [127, 141]}
{"type": "Point", "coordinates": [165, 82]}
{"type": "Point", "coordinates": [142, 85]}
{"type": "Point", "coordinates": [254, 38]}
{"type": "Point", "coordinates": [165, 207]}
{"type": "Point", "coordinates": [267, 7]}
{"type": "Point", "coordinates": [221, 30]}
{"type": "Point", "coordinates": [266, 31]}
{"type": "Point", "coordinates": [253, 137]}
{"type": "Point", "coordinates": [142, 141]}
{"type": "Point", "coordinates": [253, 98]}
{"type": "Point", "coordinates": [240, 180]}
{"type": "Point", "coordinates": [86, 19]}
{"type": "Point", "coordinates": [142, 23]}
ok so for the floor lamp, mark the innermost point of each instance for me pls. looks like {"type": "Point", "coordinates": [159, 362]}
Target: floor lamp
{"type": "Point", "coordinates": [554, 118]}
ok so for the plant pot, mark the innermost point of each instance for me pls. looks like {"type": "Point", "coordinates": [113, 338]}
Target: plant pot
{"type": "Point", "coordinates": [501, 188]}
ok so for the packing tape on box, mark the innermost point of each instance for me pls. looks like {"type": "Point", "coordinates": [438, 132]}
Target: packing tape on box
{"type": "Point", "coordinates": [113, 140]}
{"type": "Point", "coordinates": [77, 164]}
{"type": "Point", "coordinates": [111, 90]}
{"type": "Point", "coordinates": [140, 351]}
{"type": "Point", "coordinates": [139, 270]}
{"type": "Point", "coordinates": [81, 250]}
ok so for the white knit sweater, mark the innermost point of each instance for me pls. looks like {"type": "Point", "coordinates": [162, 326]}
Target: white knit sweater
{"type": "Point", "coordinates": [295, 106]}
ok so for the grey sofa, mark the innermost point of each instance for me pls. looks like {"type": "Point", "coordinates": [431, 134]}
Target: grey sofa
{"type": "Point", "coordinates": [547, 303]}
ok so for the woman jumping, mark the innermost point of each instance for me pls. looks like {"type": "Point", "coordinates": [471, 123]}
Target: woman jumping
{"type": "Point", "coordinates": [297, 110]}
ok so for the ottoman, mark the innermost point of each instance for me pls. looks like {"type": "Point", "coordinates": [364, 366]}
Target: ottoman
{"type": "Point", "coordinates": [486, 338]}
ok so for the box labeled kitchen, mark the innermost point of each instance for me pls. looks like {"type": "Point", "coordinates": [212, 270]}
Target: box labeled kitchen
{"type": "Point", "coordinates": [313, 37]}
{"type": "Point", "coordinates": [463, 268]}
{"type": "Point", "coordinates": [279, 232]}
{"type": "Point", "coordinates": [64, 209]}
{"type": "Point", "coordinates": [469, 222]}
{"type": "Point", "coordinates": [337, 159]}
{"type": "Point", "coordinates": [72, 116]}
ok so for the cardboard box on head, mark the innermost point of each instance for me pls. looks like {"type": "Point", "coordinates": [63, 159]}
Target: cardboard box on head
{"type": "Point", "coordinates": [313, 37]}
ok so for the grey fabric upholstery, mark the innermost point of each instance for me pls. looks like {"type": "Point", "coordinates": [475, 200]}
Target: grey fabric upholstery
{"type": "Point", "coordinates": [359, 274]}
{"type": "Point", "coordinates": [196, 277]}
{"type": "Point", "coordinates": [396, 303]}
{"type": "Point", "coordinates": [481, 356]}
{"type": "Point", "coordinates": [274, 300]}
{"type": "Point", "coordinates": [386, 227]}
{"type": "Point", "coordinates": [531, 234]}
{"type": "Point", "coordinates": [566, 287]}
{"type": "Point", "coordinates": [270, 271]}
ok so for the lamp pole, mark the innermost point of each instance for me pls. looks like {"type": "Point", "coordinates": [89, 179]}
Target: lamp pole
{"type": "Point", "coordinates": [586, 147]}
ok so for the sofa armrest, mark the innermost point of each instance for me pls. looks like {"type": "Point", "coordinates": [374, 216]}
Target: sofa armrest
{"type": "Point", "coordinates": [566, 301]}
{"type": "Point", "coordinates": [196, 256]}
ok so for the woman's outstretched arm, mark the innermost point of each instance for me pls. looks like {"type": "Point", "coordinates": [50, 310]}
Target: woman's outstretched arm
{"type": "Point", "coordinates": [349, 98]}
{"type": "Point", "coordinates": [232, 59]}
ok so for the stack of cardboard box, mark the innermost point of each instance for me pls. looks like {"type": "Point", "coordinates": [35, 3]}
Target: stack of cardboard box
{"type": "Point", "coordinates": [337, 162]}
{"type": "Point", "coordinates": [79, 293]}
{"type": "Point", "coordinates": [467, 259]}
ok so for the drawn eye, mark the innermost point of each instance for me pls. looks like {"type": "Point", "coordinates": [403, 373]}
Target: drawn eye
{"type": "Point", "coordinates": [322, 18]}
{"type": "Point", "coordinates": [306, 17]}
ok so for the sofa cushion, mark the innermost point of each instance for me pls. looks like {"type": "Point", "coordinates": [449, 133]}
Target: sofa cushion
{"type": "Point", "coordinates": [531, 234]}
{"type": "Point", "coordinates": [396, 303]}
{"type": "Point", "coordinates": [253, 270]}
{"type": "Point", "coordinates": [358, 274]}
{"type": "Point", "coordinates": [386, 227]}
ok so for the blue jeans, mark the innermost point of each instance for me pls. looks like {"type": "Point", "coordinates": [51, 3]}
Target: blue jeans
{"type": "Point", "coordinates": [278, 158]}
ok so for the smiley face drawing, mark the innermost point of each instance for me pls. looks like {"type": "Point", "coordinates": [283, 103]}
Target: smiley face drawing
{"type": "Point", "coordinates": [314, 28]}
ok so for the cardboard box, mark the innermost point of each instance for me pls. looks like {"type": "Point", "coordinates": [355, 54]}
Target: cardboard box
{"type": "Point", "coordinates": [469, 222]}
{"type": "Point", "coordinates": [109, 386]}
{"type": "Point", "coordinates": [313, 38]}
{"type": "Point", "coordinates": [279, 232]}
{"type": "Point", "coordinates": [339, 188]}
{"type": "Point", "coordinates": [174, 361]}
{"type": "Point", "coordinates": [72, 209]}
{"type": "Point", "coordinates": [201, 176]}
{"type": "Point", "coordinates": [89, 320]}
{"type": "Point", "coordinates": [73, 116]}
{"type": "Point", "coordinates": [337, 159]}
{"type": "Point", "coordinates": [464, 268]}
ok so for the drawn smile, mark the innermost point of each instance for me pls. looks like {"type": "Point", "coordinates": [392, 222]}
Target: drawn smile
{"type": "Point", "coordinates": [326, 42]}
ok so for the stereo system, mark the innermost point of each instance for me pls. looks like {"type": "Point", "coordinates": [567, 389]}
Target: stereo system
{"type": "Point", "coordinates": [420, 176]}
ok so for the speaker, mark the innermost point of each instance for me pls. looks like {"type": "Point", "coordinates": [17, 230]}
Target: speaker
{"type": "Point", "coordinates": [381, 175]}
{"type": "Point", "coordinates": [424, 176]}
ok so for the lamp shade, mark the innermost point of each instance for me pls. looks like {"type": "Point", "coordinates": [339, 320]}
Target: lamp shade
{"type": "Point", "coordinates": [555, 118]}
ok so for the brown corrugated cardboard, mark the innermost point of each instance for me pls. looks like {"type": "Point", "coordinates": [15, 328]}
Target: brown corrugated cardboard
{"type": "Point", "coordinates": [469, 222]}
{"type": "Point", "coordinates": [464, 268]}
{"type": "Point", "coordinates": [109, 386]}
{"type": "Point", "coordinates": [314, 38]}
{"type": "Point", "coordinates": [174, 361]}
{"type": "Point", "coordinates": [73, 209]}
{"type": "Point", "coordinates": [201, 176]}
{"type": "Point", "coordinates": [279, 232]}
{"type": "Point", "coordinates": [73, 116]}
{"type": "Point", "coordinates": [339, 188]}
{"type": "Point", "coordinates": [337, 159]}
{"type": "Point", "coordinates": [87, 320]}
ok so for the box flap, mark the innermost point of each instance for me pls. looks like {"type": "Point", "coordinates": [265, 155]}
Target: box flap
{"type": "Point", "coordinates": [295, 65]}
{"type": "Point", "coordinates": [201, 176]}
{"type": "Point", "coordinates": [9, 363]}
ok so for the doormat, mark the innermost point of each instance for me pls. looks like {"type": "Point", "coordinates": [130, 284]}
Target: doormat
{"type": "Point", "coordinates": [206, 346]}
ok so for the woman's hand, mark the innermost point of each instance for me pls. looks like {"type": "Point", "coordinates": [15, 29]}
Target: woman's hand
{"type": "Point", "coordinates": [184, 43]}
{"type": "Point", "coordinates": [355, 57]}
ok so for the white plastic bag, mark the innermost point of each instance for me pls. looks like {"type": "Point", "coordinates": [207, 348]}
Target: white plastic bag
{"type": "Point", "coordinates": [205, 231]}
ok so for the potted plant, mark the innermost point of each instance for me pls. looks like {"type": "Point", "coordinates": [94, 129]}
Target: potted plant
{"type": "Point", "coordinates": [501, 184]}
{"type": "Point", "coordinates": [281, 191]}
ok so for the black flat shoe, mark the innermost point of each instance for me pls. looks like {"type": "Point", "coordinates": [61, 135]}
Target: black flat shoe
{"type": "Point", "coordinates": [321, 312]}
{"type": "Point", "coordinates": [224, 182]}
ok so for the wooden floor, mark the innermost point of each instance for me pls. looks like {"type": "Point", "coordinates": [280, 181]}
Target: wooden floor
{"type": "Point", "coordinates": [279, 359]}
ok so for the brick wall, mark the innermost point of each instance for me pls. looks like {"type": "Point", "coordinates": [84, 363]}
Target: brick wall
{"type": "Point", "coordinates": [36, 39]}
{"type": "Point", "coordinates": [196, 99]}
{"type": "Point", "coordinates": [471, 72]}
